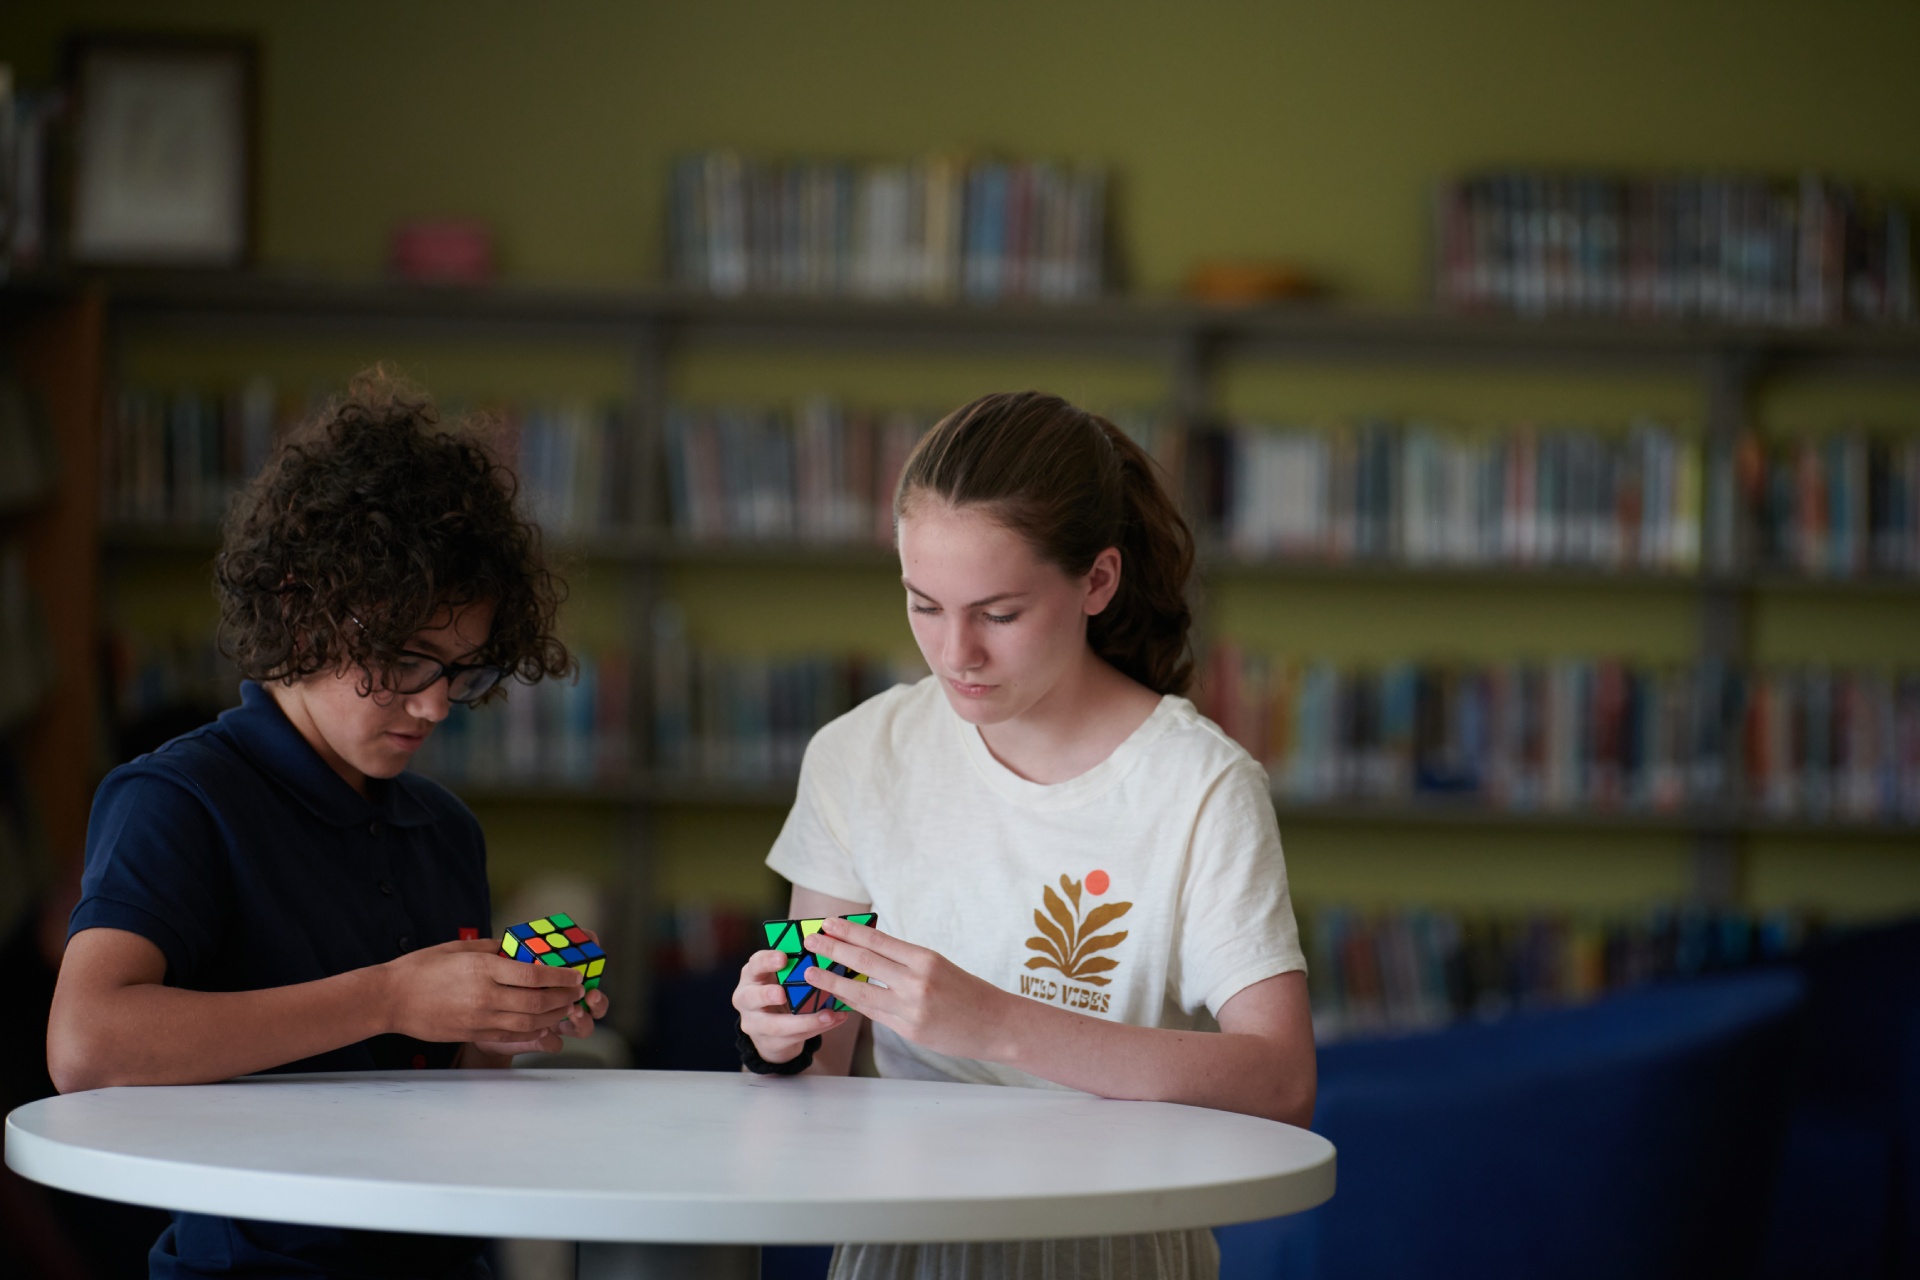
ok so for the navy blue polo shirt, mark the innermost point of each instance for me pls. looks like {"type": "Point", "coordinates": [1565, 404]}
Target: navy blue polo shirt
{"type": "Point", "coordinates": [240, 854]}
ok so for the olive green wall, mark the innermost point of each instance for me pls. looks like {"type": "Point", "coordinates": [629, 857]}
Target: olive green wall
{"type": "Point", "coordinates": [1306, 132]}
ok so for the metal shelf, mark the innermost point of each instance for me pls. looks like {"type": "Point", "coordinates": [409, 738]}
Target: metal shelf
{"type": "Point", "coordinates": [1298, 330]}
{"type": "Point", "coordinates": [164, 539]}
{"type": "Point", "coordinates": [701, 791]}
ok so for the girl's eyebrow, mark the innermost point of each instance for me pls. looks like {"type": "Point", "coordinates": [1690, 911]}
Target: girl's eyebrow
{"type": "Point", "coordinates": [1004, 595]}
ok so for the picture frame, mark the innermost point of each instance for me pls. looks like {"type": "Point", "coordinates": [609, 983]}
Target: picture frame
{"type": "Point", "coordinates": [164, 149]}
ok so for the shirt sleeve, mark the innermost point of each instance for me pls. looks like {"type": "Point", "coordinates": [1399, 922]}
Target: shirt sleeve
{"type": "Point", "coordinates": [155, 867]}
{"type": "Point", "coordinates": [812, 850]}
{"type": "Point", "coordinates": [1235, 923]}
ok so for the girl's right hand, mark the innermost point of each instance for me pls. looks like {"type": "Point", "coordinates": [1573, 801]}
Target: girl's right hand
{"type": "Point", "coordinates": [778, 1036]}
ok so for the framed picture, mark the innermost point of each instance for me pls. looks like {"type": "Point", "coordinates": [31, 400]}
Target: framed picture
{"type": "Point", "coordinates": [163, 150]}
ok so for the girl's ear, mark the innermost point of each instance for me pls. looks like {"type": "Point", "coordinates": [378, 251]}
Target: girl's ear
{"type": "Point", "coordinates": [1102, 581]}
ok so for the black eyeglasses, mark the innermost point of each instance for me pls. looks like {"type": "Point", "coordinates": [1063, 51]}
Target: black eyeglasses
{"type": "Point", "coordinates": [467, 683]}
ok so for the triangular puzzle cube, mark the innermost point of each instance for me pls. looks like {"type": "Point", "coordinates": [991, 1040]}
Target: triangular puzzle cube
{"type": "Point", "coordinates": [789, 937]}
{"type": "Point", "coordinates": [555, 940]}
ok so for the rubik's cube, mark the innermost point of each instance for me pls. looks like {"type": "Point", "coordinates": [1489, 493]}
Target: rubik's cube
{"type": "Point", "coordinates": [558, 941]}
{"type": "Point", "coordinates": [789, 937]}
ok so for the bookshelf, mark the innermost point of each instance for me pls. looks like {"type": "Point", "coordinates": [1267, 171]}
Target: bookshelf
{"type": "Point", "coordinates": [53, 338]}
{"type": "Point", "coordinates": [1191, 347]}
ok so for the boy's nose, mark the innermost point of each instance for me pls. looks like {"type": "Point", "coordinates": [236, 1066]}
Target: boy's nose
{"type": "Point", "coordinates": [431, 703]}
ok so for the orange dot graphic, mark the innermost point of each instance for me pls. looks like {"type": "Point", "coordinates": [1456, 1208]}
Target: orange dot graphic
{"type": "Point", "coordinates": [1097, 882]}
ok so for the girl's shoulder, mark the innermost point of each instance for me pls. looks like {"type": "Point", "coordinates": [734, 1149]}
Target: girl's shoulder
{"type": "Point", "coordinates": [1195, 742]}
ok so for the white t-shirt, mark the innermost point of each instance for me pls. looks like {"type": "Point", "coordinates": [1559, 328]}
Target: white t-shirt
{"type": "Point", "coordinates": [1149, 890]}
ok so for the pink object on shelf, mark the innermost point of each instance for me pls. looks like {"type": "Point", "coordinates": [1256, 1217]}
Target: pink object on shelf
{"type": "Point", "coordinates": [447, 250]}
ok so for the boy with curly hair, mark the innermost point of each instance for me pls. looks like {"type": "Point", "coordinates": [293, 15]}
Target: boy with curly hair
{"type": "Point", "coordinates": [274, 892]}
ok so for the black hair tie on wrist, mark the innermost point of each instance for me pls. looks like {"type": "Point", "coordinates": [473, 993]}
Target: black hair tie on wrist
{"type": "Point", "coordinates": [750, 1057]}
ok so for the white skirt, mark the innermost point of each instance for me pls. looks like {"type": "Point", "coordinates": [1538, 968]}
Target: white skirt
{"type": "Point", "coordinates": [1165, 1255]}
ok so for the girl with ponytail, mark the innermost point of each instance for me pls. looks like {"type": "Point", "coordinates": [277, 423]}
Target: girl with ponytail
{"type": "Point", "coordinates": [1078, 879]}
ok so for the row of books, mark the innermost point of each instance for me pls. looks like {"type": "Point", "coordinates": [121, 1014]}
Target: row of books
{"type": "Point", "coordinates": [819, 473]}
{"type": "Point", "coordinates": [1419, 494]}
{"type": "Point", "coordinates": [1579, 734]}
{"type": "Point", "coordinates": [29, 121]}
{"type": "Point", "coordinates": [1650, 496]}
{"type": "Point", "coordinates": [570, 733]}
{"type": "Point", "coordinates": [1839, 506]}
{"type": "Point", "coordinates": [1374, 972]}
{"type": "Point", "coordinates": [749, 718]}
{"type": "Point", "coordinates": [177, 459]}
{"type": "Point", "coordinates": [152, 675]}
{"type": "Point", "coordinates": [1743, 249]}
{"type": "Point", "coordinates": [558, 732]}
{"type": "Point", "coordinates": [941, 227]}
{"type": "Point", "coordinates": [576, 467]}
{"type": "Point", "coordinates": [1807, 742]}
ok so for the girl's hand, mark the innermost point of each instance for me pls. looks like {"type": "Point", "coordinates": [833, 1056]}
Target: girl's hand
{"type": "Point", "coordinates": [916, 992]}
{"type": "Point", "coordinates": [778, 1036]}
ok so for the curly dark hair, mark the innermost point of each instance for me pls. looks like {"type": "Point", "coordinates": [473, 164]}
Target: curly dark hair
{"type": "Point", "coordinates": [368, 524]}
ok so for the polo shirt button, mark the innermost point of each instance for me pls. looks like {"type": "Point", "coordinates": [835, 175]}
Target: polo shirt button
{"type": "Point", "coordinates": [373, 828]}
{"type": "Point", "coordinates": [406, 940]}
{"type": "Point", "coordinates": [386, 887]}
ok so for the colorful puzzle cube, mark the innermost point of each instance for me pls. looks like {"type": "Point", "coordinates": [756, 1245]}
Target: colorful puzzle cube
{"type": "Point", "coordinates": [789, 937]}
{"type": "Point", "coordinates": [558, 941]}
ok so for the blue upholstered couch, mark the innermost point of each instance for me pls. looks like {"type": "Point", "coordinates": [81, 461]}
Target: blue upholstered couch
{"type": "Point", "coordinates": [1847, 1199]}
{"type": "Point", "coordinates": [1636, 1136]}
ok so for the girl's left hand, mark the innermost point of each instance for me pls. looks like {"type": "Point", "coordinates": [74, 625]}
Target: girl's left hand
{"type": "Point", "coordinates": [916, 992]}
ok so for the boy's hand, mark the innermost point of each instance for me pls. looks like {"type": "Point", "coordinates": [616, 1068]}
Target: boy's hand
{"type": "Point", "coordinates": [463, 991]}
{"type": "Point", "coordinates": [578, 1025]}
{"type": "Point", "coordinates": [778, 1035]}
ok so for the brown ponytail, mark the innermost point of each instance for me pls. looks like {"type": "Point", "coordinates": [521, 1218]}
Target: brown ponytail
{"type": "Point", "coordinates": [1072, 484]}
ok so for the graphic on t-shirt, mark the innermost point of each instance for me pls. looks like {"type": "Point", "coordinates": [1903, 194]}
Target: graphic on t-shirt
{"type": "Point", "coordinates": [1070, 939]}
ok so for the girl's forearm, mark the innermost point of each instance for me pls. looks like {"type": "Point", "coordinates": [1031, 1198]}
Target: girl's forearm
{"type": "Point", "coordinates": [146, 1033]}
{"type": "Point", "coordinates": [1222, 1070]}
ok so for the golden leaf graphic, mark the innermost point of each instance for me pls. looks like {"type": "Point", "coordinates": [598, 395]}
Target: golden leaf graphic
{"type": "Point", "coordinates": [1092, 945]}
{"type": "Point", "coordinates": [1051, 932]}
{"type": "Point", "coordinates": [1046, 950]}
{"type": "Point", "coordinates": [1067, 942]}
{"type": "Point", "coordinates": [1058, 910]}
{"type": "Point", "coordinates": [1105, 915]}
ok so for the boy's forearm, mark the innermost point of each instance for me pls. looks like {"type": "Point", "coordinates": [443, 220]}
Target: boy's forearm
{"type": "Point", "coordinates": [147, 1034]}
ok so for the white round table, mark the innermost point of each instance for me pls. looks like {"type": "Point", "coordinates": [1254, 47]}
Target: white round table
{"type": "Point", "coordinates": [687, 1158]}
